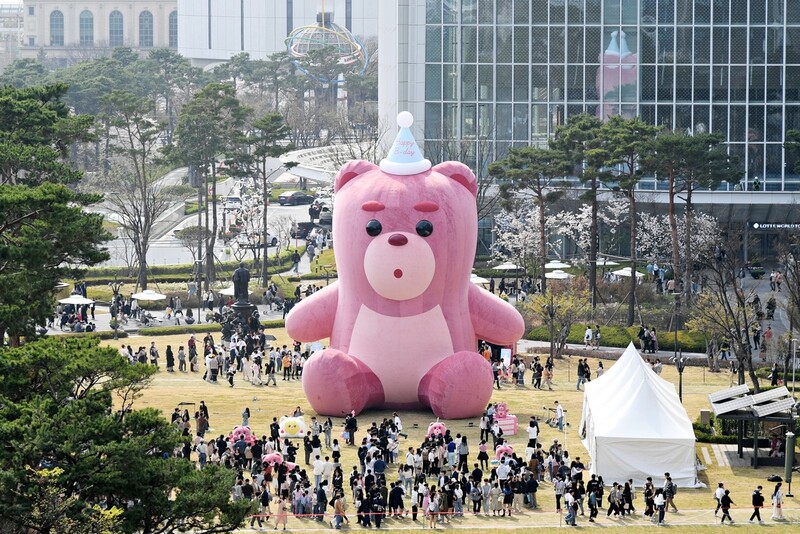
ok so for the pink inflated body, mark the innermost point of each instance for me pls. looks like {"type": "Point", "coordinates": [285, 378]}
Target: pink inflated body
{"type": "Point", "coordinates": [403, 318]}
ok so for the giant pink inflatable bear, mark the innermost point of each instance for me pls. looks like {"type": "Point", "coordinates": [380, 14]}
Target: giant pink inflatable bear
{"type": "Point", "coordinates": [403, 318]}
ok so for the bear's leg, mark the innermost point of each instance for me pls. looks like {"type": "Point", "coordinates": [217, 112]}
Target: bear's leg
{"type": "Point", "coordinates": [459, 386]}
{"type": "Point", "coordinates": [335, 383]}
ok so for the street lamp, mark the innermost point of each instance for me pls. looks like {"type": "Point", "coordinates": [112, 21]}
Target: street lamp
{"type": "Point", "coordinates": [114, 309]}
{"type": "Point", "coordinates": [680, 363]}
{"type": "Point", "coordinates": [327, 269]}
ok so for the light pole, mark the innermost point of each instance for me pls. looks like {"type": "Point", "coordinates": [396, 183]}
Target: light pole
{"type": "Point", "coordinates": [680, 363]}
{"type": "Point", "coordinates": [114, 308]}
{"type": "Point", "coordinates": [327, 269]}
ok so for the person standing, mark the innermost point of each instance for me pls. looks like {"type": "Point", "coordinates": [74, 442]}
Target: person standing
{"type": "Point", "coordinates": [181, 359]}
{"type": "Point", "coordinates": [777, 502]}
{"type": "Point", "coordinates": [559, 416]}
{"type": "Point", "coordinates": [726, 503]}
{"type": "Point", "coordinates": [758, 504]}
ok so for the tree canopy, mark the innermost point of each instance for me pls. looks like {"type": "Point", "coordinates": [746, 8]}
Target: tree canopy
{"type": "Point", "coordinates": [68, 405]}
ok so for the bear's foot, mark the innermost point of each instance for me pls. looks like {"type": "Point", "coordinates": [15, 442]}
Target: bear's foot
{"type": "Point", "coordinates": [335, 384]}
{"type": "Point", "coordinates": [458, 387]}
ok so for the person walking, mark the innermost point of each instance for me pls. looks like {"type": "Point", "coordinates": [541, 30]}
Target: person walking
{"type": "Point", "coordinates": [758, 504]}
{"type": "Point", "coordinates": [718, 494]}
{"type": "Point", "coordinates": [726, 503]}
{"type": "Point", "coordinates": [660, 503]}
{"type": "Point", "coordinates": [777, 502]}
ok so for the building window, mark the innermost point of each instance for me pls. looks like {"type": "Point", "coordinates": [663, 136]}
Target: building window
{"type": "Point", "coordinates": [116, 32]}
{"type": "Point", "coordinates": [86, 28]}
{"type": "Point", "coordinates": [31, 41]}
{"type": "Point", "coordinates": [56, 28]}
{"type": "Point", "coordinates": [145, 29]}
{"type": "Point", "coordinates": [31, 10]}
{"type": "Point", "coordinates": [173, 29]}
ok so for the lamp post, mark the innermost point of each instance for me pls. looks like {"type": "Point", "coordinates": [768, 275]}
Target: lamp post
{"type": "Point", "coordinates": [327, 269]}
{"type": "Point", "coordinates": [680, 363]}
{"type": "Point", "coordinates": [114, 309]}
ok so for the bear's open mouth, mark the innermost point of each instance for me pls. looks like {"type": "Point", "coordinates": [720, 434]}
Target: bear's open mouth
{"type": "Point", "coordinates": [398, 273]}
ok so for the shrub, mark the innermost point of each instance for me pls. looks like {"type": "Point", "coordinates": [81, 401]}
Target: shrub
{"type": "Point", "coordinates": [200, 328]}
{"type": "Point", "coordinates": [712, 433]}
{"type": "Point", "coordinates": [618, 336]}
{"type": "Point", "coordinates": [105, 334]}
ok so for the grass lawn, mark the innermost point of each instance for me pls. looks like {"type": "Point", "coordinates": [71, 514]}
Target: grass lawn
{"type": "Point", "coordinates": [696, 505]}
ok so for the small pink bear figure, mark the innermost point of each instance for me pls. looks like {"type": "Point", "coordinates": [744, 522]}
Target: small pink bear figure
{"type": "Point", "coordinates": [243, 432]}
{"type": "Point", "coordinates": [503, 450]}
{"type": "Point", "coordinates": [403, 318]}
{"type": "Point", "coordinates": [436, 428]}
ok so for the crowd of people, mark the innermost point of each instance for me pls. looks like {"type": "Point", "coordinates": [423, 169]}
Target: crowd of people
{"type": "Point", "coordinates": [434, 483]}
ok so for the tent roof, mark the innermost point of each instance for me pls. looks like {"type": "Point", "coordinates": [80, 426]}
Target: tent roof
{"type": "Point", "coordinates": [631, 401]}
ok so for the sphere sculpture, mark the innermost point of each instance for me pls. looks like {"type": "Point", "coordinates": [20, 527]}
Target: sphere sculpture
{"type": "Point", "coordinates": [347, 48]}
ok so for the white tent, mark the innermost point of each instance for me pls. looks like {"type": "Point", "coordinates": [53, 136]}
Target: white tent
{"type": "Point", "coordinates": [634, 426]}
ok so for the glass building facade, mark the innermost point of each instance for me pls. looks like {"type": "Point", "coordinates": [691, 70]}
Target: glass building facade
{"type": "Point", "coordinates": [502, 73]}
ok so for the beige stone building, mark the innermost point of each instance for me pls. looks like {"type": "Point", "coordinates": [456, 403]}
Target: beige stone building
{"type": "Point", "coordinates": [65, 29]}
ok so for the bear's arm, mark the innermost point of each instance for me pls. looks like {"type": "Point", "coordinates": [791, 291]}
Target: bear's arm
{"type": "Point", "coordinates": [312, 319]}
{"type": "Point", "coordinates": [494, 320]}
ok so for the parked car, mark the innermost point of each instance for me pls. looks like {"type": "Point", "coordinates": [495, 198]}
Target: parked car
{"type": "Point", "coordinates": [246, 240]}
{"type": "Point", "coordinates": [294, 198]}
{"type": "Point", "coordinates": [302, 229]}
{"type": "Point", "coordinates": [232, 203]}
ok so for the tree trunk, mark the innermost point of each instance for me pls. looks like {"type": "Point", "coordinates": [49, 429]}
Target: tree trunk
{"type": "Point", "coordinates": [687, 268]}
{"type": "Point", "coordinates": [632, 296]}
{"type": "Point", "coordinates": [212, 237]}
{"type": "Point", "coordinates": [543, 239]}
{"type": "Point", "coordinates": [141, 253]}
{"type": "Point", "coordinates": [265, 258]}
{"type": "Point", "coordinates": [593, 250]}
{"type": "Point", "coordinates": [673, 228]}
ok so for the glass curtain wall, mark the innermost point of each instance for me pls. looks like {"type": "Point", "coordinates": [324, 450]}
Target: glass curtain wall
{"type": "Point", "coordinates": [502, 73]}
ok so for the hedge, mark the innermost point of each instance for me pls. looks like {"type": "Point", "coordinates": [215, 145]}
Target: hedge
{"type": "Point", "coordinates": [105, 334]}
{"type": "Point", "coordinates": [619, 336]}
{"type": "Point", "coordinates": [764, 373]}
{"type": "Point", "coordinates": [199, 328]}
{"type": "Point", "coordinates": [705, 434]}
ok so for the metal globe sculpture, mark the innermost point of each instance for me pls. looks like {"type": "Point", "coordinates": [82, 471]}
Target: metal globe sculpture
{"type": "Point", "coordinates": [347, 48]}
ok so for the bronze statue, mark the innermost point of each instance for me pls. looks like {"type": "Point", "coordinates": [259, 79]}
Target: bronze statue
{"type": "Point", "coordinates": [241, 277]}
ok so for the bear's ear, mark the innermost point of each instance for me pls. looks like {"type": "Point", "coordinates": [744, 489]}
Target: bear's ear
{"type": "Point", "coordinates": [460, 173]}
{"type": "Point", "coordinates": [283, 418]}
{"type": "Point", "coordinates": [350, 170]}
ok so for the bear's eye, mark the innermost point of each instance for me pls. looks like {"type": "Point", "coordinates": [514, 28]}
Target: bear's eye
{"type": "Point", "coordinates": [374, 227]}
{"type": "Point", "coordinates": [424, 228]}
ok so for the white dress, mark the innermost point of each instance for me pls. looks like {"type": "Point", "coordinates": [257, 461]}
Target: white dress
{"type": "Point", "coordinates": [777, 502]}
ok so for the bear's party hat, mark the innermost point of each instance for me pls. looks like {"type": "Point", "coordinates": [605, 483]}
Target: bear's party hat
{"type": "Point", "coordinates": [405, 157]}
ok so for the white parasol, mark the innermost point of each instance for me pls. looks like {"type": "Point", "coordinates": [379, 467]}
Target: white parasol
{"type": "Point", "coordinates": [557, 265]}
{"type": "Point", "coordinates": [478, 280]}
{"type": "Point", "coordinates": [558, 275]}
{"type": "Point", "coordinates": [77, 300]}
{"type": "Point", "coordinates": [231, 291]}
{"type": "Point", "coordinates": [626, 272]}
{"type": "Point", "coordinates": [148, 294]}
{"type": "Point", "coordinates": [605, 262]}
{"type": "Point", "coordinates": [507, 267]}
